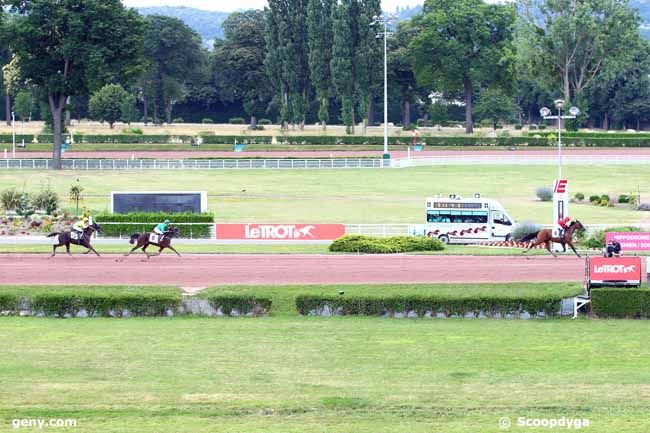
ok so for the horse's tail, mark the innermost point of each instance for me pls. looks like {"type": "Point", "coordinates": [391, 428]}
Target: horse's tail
{"type": "Point", "coordinates": [134, 237]}
{"type": "Point", "coordinates": [529, 237]}
{"type": "Point", "coordinates": [53, 234]}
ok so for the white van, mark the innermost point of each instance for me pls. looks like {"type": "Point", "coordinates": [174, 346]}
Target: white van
{"type": "Point", "coordinates": [457, 220]}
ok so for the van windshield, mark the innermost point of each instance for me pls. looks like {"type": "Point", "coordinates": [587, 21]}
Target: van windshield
{"type": "Point", "coordinates": [457, 217]}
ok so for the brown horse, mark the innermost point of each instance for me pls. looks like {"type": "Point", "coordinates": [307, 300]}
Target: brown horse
{"type": "Point", "coordinates": [545, 236]}
{"type": "Point", "coordinates": [143, 242]}
{"type": "Point", "coordinates": [65, 238]}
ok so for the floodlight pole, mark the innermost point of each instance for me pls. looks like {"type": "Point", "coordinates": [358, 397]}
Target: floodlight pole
{"type": "Point", "coordinates": [384, 20]}
{"type": "Point", "coordinates": [13, 132]}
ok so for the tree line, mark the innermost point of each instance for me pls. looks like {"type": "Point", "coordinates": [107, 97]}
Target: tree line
{"type": "Point", "coordinates": [307, 61]}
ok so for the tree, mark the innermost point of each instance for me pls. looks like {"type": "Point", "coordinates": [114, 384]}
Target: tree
{"type": "Point", "coordinates": [368, 58]}
{"type": "Point", "coordinates": [577, 39]}
{"type": "Point", "coordinates": [400, 72]}
{"type": "Point", "coordinates": [238, 63]}
{"type": "Point", "coordinates": [128, 109]}
{"type": "Point", "coordinates": [174, 55]}
{"type": "Point", "coordinates": [461, 43]}
{"type": "Point", "coordinates": [23, 104]}
{"type": "Point", "coordinates": [343, 61]}
{"type": "Point", "coordinates": [319, 20]}
{"type": "Point", "coordinates": [66, 49]}
{"type": "Point", "coordinates": [107, 103]}
{"type": "Point", "coordinates": [495, 105]}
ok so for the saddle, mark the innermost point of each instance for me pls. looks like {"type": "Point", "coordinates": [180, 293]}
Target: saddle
{"type": "Point", "coordinates": [155, 238]}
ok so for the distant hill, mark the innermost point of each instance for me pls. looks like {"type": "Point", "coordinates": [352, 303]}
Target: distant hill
{"type": "Point", "coordinates": [205, 23]}
{"type": "Point", "coordinates": [405, 13]}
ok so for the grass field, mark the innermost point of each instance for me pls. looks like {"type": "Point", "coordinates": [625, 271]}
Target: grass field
{"type": "Point", "coordinates": [297, 374]}
{"type": "Point", "coordinates": [355, 196]}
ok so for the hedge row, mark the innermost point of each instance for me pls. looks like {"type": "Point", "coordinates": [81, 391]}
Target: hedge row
{"type": "Point", "coordinates": [585, 134]}
{"type": "Point", "coordinates": [423, 305]}
{"type": "Point", "coordinates": [621, 302]}
{"type": "Point", "coordinates": [604, 140]}
{"type": "Point", "coordinates": [139, 222]}
{"type": "Point", "coordinates": [119, 302]}
{"type": "Point", "coordinates": [377, 245]}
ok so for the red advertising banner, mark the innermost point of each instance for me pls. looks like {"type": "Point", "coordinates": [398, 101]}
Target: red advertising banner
{"type": "Point", "coordinates": [630, 241]}
{"type": "Point", "coordinates": [279, 232]}
{"type": "Point", "coordinates": [613, 269]}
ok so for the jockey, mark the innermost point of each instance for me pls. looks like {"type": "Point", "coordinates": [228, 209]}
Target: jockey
{"type": "Point", "coordinates": [564, 224]}
{"type": "Point", "coordinates": [161, 228]}
{"type": "Point", "coordinates": [82, 224]}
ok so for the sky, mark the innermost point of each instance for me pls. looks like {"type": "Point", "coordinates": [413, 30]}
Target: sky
{"type": "Point", "coordinates": [230, 5]}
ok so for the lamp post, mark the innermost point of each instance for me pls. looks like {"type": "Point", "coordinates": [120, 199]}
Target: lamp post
{"type": "Point", "coordinates": [385, 19]}
{"type": "Point", "coordinates": [560, 194]}
{"type": "Point", "coordinates": [13, 132]}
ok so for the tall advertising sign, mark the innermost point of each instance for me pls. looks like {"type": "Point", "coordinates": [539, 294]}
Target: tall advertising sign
{"type": "Point", "coordinates": [560, 207]}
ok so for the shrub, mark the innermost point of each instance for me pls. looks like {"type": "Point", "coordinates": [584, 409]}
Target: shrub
{"type": "Point", "coordinates": [579, 196]}
{"type": "Point", "coordinates": [178, 120]}
{"type": "Point", "coordinates": [47, 200]}
{"type": "Point", "coordinates": [376, 245]}
{"type": "Point", "coordinates": [136, 131]}
{"type": "Point", "coordinates": [621, 302]}
{"type": "Point", "coordinates": [541, 127]}
{"type": "Point", "coordinates": [25, 207]}
{"type": "Point", "coordinates": [377, 305]}
{"type": "Point", "coordinates": [10, 199]}
{"type": "Point", "coordinates": [518, 127]}
{"type": "Point", "coordinates": [604, 197]}
{"type": "Point", "coordinates": [237, 121]}
{"type": "Point", "coordinates": [594, 199]}
{"type": "Point", "coordinates": [623, 198]}
{"type": "Point", "coordinates": [525, 228]}
{"type": "Point", "coordinates": [207, 120]}
{"type": "Point", "coordinates": [544, 193]}
{"type": "Point", "coordinates": [264, 122]}
{"type": "Point", "coordinates": [597, 239]}
{"type": "Point", "coordinates": [194, 225]}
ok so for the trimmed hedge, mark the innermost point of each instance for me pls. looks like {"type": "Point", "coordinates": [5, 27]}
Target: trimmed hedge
{"type": "Point", "coordinates": [377, 245]}
{"type": "Point", "coordinates": [621, 302]}
{"type": "Point", "coordinates": [95, 301]}
{"type": "Point", "coordinates": [428, 305]}
{"type": "Point", "coordinates": [244, 304]}
{"type": "Point", "coordinates": [200, 229]}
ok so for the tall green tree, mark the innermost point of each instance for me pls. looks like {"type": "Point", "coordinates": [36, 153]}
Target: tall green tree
{"type": "Point", "coordinates": [400, 72]}
{"type": "Point", "coordinates": [69, 48]}
{"type": "Point", "coordinates": [320, 38]}
{"type": "Point", "coordinates": [461, 43]}
{"type": "Point", "coordinates": [576, 39]}
{"type": "Point", "coordinates": [368, 58]}
{"type": "Point", "coordinates": [343, 72]}
{"type": "Point", "coordinates": [174, 55]}
{"type": "Point", "coordinates": [494, 104]}
{"type": "Point", "coordinates": [23, 105]}
{"type": "Point", "coordinates": [287, 57]}
{"type": "Point", "coordinates": [238, 63]}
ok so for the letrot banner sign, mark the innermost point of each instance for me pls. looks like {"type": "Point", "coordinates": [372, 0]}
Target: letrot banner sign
{"type": "Point", "coordinates": [624, 271]}
{"type": "Point", "coordinates": [630, 241]}
{"type": "Point", "coordinates": [279, 232]}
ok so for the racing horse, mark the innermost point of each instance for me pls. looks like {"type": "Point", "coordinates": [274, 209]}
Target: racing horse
{"type": "Point", "coordinates": [545, 236]}
{"type": "Point", "coordinates": [66, 238]}
{"type": "Point", "coordinates": [143, 241]}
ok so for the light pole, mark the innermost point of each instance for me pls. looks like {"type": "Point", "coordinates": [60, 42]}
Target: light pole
{"type": "Point", "coordinates": [13, 132]}
{"type": "Point", "coordinates": [385, 19]}
{"type": "Point", "coordinates": [560, 190]}
{"type": "Point", "coordinates": [546, 114]}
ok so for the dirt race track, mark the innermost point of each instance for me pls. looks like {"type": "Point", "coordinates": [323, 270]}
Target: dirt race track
{"type": "Point", "coordinates": [202, 270]}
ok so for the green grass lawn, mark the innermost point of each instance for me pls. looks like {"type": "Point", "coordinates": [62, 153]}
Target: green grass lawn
{"type": "Point", "coordinates": [305, 374]}
{"type": "Point", "coordinates": [355, 196]}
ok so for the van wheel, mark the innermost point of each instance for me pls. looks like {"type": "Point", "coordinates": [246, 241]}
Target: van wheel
{"type": "Point", "coordinates": [444, 239]}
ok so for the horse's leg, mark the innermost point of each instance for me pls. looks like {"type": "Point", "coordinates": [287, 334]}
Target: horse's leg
{"type": "Point", "coordinates": [172, 248]}
{"type": "Point", "coordinates": [144, 250]}
{"type": "Point", "coordinates": [548, 247]}
{"type": "Point", "coordinates": [54, 247]}
{"type": "Point", "coordinates": [531, 245]}
{"type": "Point", "coordinates": [90, 248]}
{"type": "Point", "coordinates": [133, 249]}
{"type": "Point", "coordinates": [67, 248]}
{"type": "Point", "coordinates": [574, 250]}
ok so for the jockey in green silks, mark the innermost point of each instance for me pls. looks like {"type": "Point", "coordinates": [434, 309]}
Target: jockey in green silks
{"type": "Point", "coordinates": [162, 227]}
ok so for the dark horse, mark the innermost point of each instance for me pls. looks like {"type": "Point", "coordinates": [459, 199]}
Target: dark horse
{"type": "Point", "coordinates": [545, 236]}
{"type": "Point", "coordinates": [143, 242]}
{"type": "Point", "coordinates": [65, 238]}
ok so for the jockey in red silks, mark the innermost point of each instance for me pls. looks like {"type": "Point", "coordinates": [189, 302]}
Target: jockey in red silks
{"type": "Point", "coordinates": [564, 224]}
